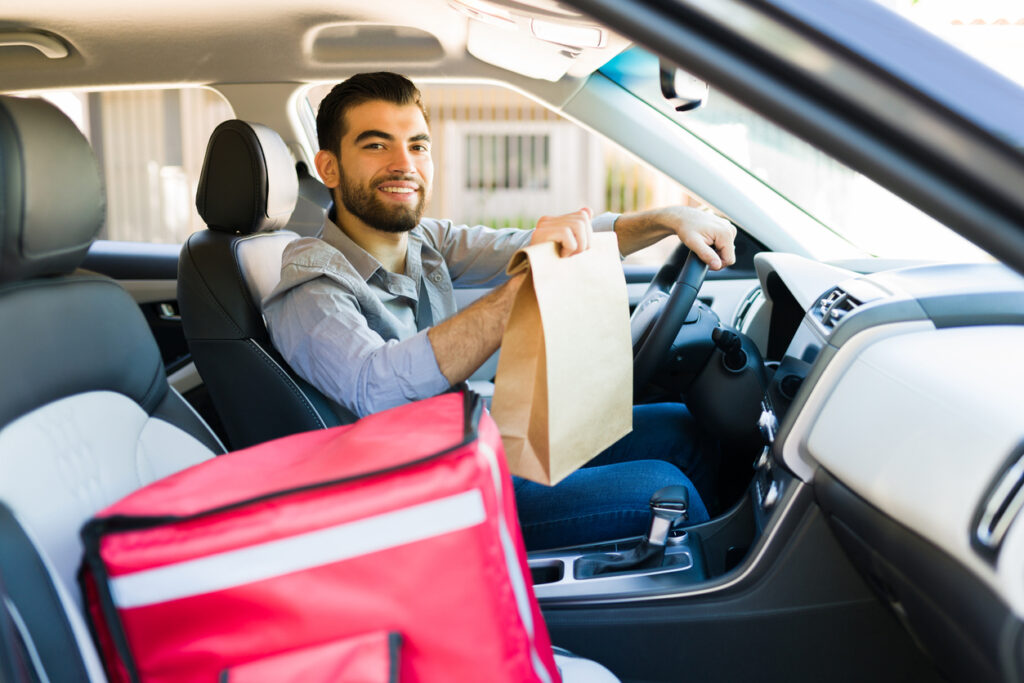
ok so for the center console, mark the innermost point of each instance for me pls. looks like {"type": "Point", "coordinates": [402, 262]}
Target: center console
{"type": "Point", "coordinates": [692, 559]}
{"type": "Point", "coordinates": [557, 578]}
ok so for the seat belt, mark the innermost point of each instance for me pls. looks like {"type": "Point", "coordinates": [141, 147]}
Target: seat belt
{"type": "Point", "coordinates": [425, 319]}
{"type": "Point", "coordinates": [424, 316]}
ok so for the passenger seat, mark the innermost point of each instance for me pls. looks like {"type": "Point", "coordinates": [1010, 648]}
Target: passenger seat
{"type": "Point", "coordinates": [86, 413]}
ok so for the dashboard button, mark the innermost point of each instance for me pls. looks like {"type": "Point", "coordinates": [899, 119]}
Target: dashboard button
{"type": "Point", "coordinates": [771, 496]}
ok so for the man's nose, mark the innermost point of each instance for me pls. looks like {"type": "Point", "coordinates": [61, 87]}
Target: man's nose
{"type": "Point", "coordinates": [401, 161]}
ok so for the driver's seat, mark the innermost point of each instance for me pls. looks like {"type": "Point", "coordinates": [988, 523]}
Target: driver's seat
{"type": "Point", "coordinates": [246, 194]}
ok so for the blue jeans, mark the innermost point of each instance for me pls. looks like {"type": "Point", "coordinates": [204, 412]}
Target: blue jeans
{"type": "Point", "coordinates": [608, 497]}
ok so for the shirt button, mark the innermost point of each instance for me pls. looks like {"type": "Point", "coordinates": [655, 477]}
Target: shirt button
{"type": "Point", "coordinates": [436, 277]}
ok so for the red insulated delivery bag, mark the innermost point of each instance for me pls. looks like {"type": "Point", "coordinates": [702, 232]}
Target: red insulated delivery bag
{"type": "Point", "coordinates": [348, 554]}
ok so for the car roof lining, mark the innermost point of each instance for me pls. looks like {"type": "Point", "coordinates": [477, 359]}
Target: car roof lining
{"type": "Point", "coordinates": [194, 42]}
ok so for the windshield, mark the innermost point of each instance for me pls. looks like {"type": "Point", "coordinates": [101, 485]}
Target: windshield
{"type": "Point", "coordinates": [854, 207]}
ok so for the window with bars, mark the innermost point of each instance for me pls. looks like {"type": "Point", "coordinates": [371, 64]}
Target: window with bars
{"type": "Point", "coordinates": [507, 162]}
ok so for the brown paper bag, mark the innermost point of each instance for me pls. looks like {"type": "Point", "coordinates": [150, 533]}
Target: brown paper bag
{"type": "Point", "coordinates": [564, 387]}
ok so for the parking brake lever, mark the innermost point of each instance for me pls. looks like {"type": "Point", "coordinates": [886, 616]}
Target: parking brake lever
{"type": "Point", "coordinates": [668, 506]}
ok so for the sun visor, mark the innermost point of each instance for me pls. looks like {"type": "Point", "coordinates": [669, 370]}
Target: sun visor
{"type": "Point", "coordinates": [516, 51]}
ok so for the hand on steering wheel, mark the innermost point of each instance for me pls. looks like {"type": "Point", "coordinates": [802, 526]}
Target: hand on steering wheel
{"type": "Point", "coordinates": [676, 284]}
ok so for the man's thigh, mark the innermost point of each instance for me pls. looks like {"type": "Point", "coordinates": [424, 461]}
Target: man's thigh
{"type": "Point", "coordinates": [667, 431]}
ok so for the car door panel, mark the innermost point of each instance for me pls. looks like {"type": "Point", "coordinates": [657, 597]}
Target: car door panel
{"type": "Point", "coordinates": [148, 272]}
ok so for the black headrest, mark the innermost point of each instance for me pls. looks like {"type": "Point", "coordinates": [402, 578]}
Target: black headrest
{"type": "Point", "coordinates": [52, 202]}
{"type": "Point", "coordinates": [249, 183]}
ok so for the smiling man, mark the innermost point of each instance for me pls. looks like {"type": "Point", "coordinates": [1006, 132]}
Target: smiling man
{"type": "Point", "coordinates": [367, 314]}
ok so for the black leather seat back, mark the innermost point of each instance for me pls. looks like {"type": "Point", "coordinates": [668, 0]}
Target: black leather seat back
{"type": "Point", "coordinates": [247, 191]}
{"type": "Point", "coordinates": [86, 413]}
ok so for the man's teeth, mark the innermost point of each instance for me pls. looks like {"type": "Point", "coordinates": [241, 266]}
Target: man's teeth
{"type": "Point", "coordinates": [399, 190]}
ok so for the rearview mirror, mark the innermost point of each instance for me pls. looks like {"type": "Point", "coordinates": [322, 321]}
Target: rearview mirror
{"type": "Point", "coordinates": [684, 88]}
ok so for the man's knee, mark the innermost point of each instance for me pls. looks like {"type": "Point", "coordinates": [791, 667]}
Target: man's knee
{"type": "Point", "coordinates": [596, 504]}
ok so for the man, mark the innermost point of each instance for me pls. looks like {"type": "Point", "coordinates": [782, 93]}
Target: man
{"type": "Point", "coordinates": [366, 312]}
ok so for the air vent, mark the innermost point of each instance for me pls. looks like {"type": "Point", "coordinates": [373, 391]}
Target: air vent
{"type": "Point", "coordinates": [1000, 507]}
{"type": "Point", "coordinates": [834, 306]}
{"type": "Point", "coordinates": [752, 297]}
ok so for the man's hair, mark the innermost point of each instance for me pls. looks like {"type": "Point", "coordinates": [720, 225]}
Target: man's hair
{"type": "Point", "coordinates": [382, 85]}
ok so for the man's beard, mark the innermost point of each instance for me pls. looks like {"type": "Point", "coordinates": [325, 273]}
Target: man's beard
{"type": "Point", "coordinates": [364, 204]}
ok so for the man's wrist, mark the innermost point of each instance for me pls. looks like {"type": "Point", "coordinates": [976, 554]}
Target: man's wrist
{"type": "Point", "coordinates": [640, 229]}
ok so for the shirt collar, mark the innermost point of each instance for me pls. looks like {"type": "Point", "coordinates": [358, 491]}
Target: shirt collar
{"type": "Point", "coordinates": [364, 262]}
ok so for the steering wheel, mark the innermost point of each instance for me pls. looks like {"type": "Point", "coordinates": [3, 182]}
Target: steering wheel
{"type": "Point", "coordinates": [662, 310]}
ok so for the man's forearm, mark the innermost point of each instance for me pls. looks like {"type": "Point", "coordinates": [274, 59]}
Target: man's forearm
{"type": "Point", "coordinates": [638, 230]}
{"type": "Point", "coordinates": [464, 341]}
{"type": "Point", "coordinates": [711, 238]}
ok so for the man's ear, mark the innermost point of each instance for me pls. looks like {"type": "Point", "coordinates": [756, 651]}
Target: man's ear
{"type": "Point", "coordinates": [327, 166]}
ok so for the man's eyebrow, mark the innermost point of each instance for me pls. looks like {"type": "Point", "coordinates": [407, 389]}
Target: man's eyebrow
{"type": "Point", "coordinates": [422, 137]}
{"type": "Point", "coordinates": [373, 134]}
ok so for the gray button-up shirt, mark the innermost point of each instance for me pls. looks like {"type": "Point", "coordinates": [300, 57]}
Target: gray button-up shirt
{"type": "Point", "coordinates": [348, 326]}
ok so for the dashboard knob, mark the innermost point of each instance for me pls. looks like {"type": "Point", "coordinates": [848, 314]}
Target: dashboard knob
{"type": "Point", "coordinates": [768, 424]}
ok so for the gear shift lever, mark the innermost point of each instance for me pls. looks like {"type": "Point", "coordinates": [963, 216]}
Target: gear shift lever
{"type": "Point", "coordinates": [668, 505]}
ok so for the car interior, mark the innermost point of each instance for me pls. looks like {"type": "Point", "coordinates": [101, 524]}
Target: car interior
{"type": "Point", "coordinates": [866, 524]}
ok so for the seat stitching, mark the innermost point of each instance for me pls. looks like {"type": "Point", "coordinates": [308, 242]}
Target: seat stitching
{"type": "Point", "coordinates": [289, 383]}
{"type": "Point", "coordinates": [67, 279]}
{"type": "Point", "coordinates": [209, 290]}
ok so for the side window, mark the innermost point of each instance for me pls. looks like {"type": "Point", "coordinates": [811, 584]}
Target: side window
{"type": "Point", "coordinates": [503, 160]}
{"type": "Point", "coordinates": [150, 144]}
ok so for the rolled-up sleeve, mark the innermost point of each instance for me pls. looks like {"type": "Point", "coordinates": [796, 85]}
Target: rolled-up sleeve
{"type": "Point", "coordinates": [477, 255]}
{"type": "Point", "coordinates": [320, 331]}
{"type": "Point", "coordinates": [604, 222]}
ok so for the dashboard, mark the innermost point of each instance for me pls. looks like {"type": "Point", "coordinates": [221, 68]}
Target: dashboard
{"type": "Point", "coordinates": [898, 397]}
{"type": "Point", "coordinates": [880, 536]}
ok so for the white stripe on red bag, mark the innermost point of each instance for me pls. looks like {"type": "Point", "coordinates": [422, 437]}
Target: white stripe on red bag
{"type": "Point", "coordinates": [515, 569]}
{"type": "Point", "coordinates": [296, 553]}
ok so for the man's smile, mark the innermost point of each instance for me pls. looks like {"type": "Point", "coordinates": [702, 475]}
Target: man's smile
{"type": "Point", "coordinates": [400, 190]}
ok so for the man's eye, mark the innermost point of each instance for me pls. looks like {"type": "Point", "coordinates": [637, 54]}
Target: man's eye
{"type": "Point", "coordinates": [420, 148]}
{"type": "Point", "coordinates": [374, 145]}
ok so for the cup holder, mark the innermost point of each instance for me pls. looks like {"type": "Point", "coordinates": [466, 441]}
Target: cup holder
{"type": "Point", "coordinates": [547, 572]}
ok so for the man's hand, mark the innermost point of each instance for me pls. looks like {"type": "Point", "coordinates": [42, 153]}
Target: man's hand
{"type": "Point", "coordinates": [710, 237]}
{"type": "Point", "coordinates": [571, 231]}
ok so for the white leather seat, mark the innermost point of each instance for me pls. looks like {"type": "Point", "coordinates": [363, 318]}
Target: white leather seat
{"type": "Point", "coordinates": [86, 413]}
{"type": "Point", "coordinates": [575, 669]}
